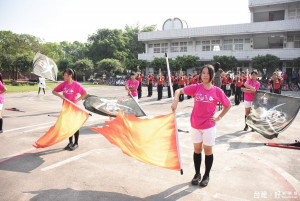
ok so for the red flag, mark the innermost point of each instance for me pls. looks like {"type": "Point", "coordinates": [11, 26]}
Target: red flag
{"type": "Point", "coordinates": [70, 120]}
{"type": "Point", "coordinates": [152, 141]}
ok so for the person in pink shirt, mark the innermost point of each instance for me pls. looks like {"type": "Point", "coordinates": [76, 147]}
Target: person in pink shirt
{"type": "Point", "coordinates": [251, 86]}
{"type": "Point", "coordinates": [203, 119]}
{"type": "Point", "coordinates": [131, 86]}
{"type": "Point", "coordinates": [2, 90]}
{"type": "Point", "coordinates": [70, 88]}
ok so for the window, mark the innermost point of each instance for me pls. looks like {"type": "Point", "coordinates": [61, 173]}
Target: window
{"type": "Point", "coordinates": [198, 42]}
{"type": "Point", "coordinates": [206, 42]}
{"type": "Point", "coordinates": [290, 38]}
{"type": "Point", "coordinates": [215, 45]}
{"type": "Point", "coordinates": [183, 46]}
{"type": "Point", "coordinates": [150, 45]}
{"type": "Point", "coordinates": [292, 14]}
{"type": "Point", "coordinates": [175, 47]}
{"type": "Point", "coordinates": [238, 44]}
{"type": "Point", "coordinates": [215, 42]}
{"type": "Point", "coordinates": [238, 40]}
{"type": "Point", "coordinates": [156, 48]}
{"type": "Point", "coordinates": [164, 48]}
{"type": "Point", "coordinates": [205, 47]}
{"type": "Point", "coordinates": [228, 44]}
{"type": "Point", "coordinates": [247, 40]}
{"type": "Point", "coordinates": [228, 47]}
{"type": "Point", "coordinates": [190, 43]}
{"type": "Point", "coordinates": [297, 41]}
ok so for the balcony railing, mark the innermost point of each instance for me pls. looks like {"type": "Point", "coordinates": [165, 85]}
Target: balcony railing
{"type": "Point", "coordinates": [246, 55]}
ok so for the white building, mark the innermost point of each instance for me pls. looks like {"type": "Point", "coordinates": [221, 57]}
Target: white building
{"type": "Point", "coordinates": [274, 29]}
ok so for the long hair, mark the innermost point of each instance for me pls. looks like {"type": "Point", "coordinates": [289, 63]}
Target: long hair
{"type": "Point", "coordinates": [1, 78]}
{"type": "Point", "coordinates": [72, 72]}
{"type": "Point", "coordinates": [211, 71]}
{"type": "Point", "coordinates": [217, 66]}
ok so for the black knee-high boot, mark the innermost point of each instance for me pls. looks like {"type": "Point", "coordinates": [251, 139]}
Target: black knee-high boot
{"type": "Point", "coordinates": [208, 164]}
{"type": "Point", "coordinates": [1, 123]}
{"type": "Point", "coordinates": [246, 126]}
{"type": "Point", "coordinates": [76, 137]}
{"type": "Point", "coordinates": [197, 162]}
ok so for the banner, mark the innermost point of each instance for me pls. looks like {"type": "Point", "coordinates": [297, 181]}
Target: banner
{"type": "Point", "coordinates": [152, 141]}
{"type": "Point", "coordinates": [44, 67]}
{"type": "Point", "coordinates": [109, 106]}
{"type": "Point", "coordinates": [69, 121]}
{"type": "Point", "coordinates": [272, 113]}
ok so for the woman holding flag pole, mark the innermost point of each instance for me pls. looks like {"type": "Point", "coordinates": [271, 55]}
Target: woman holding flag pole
{"type": "Point", "coordinates": [203, 119]}
{"type": "Point", "coordinates": [70, 88]}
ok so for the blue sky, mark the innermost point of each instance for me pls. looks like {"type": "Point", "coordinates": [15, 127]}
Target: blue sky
{"type": "Point", "coordinates": [70, 20]}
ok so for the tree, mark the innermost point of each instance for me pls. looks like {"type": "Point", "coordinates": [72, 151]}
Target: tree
{"type": "Point", "coordinates": [109, 66]}
{"type": "Point", "coordinates": [106, 43]}
{"type": "Point", "coordinates": [63, 64]}
{"type": "Point", "coordinates": [17, 51]}
{"type": "Point", "coordinates": [186, 62]}
{"type": "Point", "coordinates": [133, 46]}
{"type": "Point", "coordinates": [132, 64]}
{"type": "Point", "coordinates": [84, 65]}
{"type": "Point", "coordinates": [227, 62]}
{"type": "Point", "coordinates": [159, 63]}
{"type": "Point", "coordinates": [269, 62]}
{"type": "Point", "coordinates": [296, 62]}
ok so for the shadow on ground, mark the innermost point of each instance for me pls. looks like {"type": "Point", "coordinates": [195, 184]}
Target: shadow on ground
{"type": "Point", "coordinates": [71, 194]}
{"type": "Point", "coordinates": [29, 161]}
{"type": "Point", "coordinates": [224, 139]}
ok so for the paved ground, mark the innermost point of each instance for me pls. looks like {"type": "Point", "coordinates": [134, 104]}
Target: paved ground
{"type": "Point", "coordinates": [243, 169]}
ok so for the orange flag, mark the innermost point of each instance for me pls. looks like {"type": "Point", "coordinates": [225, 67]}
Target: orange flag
{"type": "Point", "coordinates": [70, 120]}
{"type": "Point", "coordinates": [152, 141]}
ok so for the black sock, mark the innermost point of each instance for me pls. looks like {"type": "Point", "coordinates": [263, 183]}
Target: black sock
{"type": "Point", "coordinates": [245, 121]}
{"type": "Point", "coordinates": [1, 123]}
{"type": "Point", "coordinates": [197, 162]}
{"type": "Point", "coordinates": [71, 139]}
{"type": "Point", "coordinates": [76, 137]}
{"type": "Point", "coordinates": [208, 164]}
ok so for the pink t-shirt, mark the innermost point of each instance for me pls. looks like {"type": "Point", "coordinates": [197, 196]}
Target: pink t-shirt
{"type": "Point", "coordinates": [70, 91]}
{"type": "Point", "coordinates": [250, 96]}
{"type": "Point", "coordinates": [205, 104]}
{"type": "Point", "coordinates": [1, 95]}
{"type": "Point", "coordinates": [135, 85]}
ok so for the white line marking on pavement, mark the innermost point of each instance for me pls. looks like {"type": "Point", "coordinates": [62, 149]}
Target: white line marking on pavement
{"type": "Point", "coordinates": [73, 158]}
{"type": "Point", "coordinates": [15, 129]}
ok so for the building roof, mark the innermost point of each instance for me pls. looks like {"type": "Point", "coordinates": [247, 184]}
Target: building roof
{"type": "Point", "coordinates": [255, 3]}
{"type": "Point", "coordinates": [223, 30]}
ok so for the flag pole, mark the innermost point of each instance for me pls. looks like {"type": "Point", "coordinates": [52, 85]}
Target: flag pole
{"type": "Point", "coordinates": [176, 129]}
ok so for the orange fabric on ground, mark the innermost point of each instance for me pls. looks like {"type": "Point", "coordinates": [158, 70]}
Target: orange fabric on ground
{"type": "Point", "coordinates": [70, 120]}
{"type": "Point", "coordinates": [152, 141]}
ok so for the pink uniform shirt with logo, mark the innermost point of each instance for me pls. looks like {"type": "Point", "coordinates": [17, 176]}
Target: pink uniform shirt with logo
{"type": "Point", "coordinates": [135, 85]}
{"type": "Point", "coordinates": [70, 91]}
{"type": "Point", "coordinates": [205, 104]}
{"type": "Point", "coordinates": [1, 95]}
{"type": "Point", "coordinates": [250, 96]}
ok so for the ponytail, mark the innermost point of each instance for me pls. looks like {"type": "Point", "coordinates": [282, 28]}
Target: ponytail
{"type": "Point", "coordinates": [1, 78]}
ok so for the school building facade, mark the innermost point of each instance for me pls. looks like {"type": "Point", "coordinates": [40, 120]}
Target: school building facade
{"type": "Point", "coordinates": [274, 28]}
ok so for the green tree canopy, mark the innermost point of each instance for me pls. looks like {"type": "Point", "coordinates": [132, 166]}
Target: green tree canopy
{"type": "Point", "coordinates": [109, 66]}
{"type": "Point", "coordinates": [84, 65]}
{"type": "Point", "coordinates": [186, 62]}
{"type": "Point", "coordinates": [269, 62]}
{"type": "Point", "coordinates": [227, 62]}
{"type": "Point", "coordinates": [106, 43]}
{"type": "Point", "coordinates": [296, 62]}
